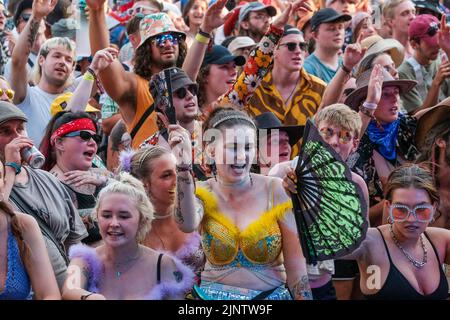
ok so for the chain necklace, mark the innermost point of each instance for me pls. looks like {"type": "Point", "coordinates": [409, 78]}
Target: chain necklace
{"type": "Point", "coordinates": [415, 263]}
{"type": "Point", "coordinates": [117, 265]}
{"type": "Point", "coordinates": [293, 90]}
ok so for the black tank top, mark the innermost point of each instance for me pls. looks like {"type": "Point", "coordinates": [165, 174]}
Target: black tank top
{"type": "Point", "coordinates": [397, 287]}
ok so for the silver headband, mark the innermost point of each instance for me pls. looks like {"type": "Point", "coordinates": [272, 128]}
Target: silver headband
{"type": "Point", "coordinates": [231, 118]}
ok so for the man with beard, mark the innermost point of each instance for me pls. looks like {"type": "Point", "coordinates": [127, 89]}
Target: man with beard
{"type": "Point", "coordinates": [161, 46]}
{"type": "Point", "coordinates": [426, 65]}
{"type": "Point", "coordinates": [52, 74]}
{"type": "Point", "coordinates": [328, 29]}
{"type": "Point", "coordinates": [288, 91]}
{"type": "Point", "coordinates": [254, 20]}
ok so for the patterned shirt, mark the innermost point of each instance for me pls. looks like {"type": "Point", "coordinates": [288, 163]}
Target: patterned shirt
{"type": "Point", "coordinates": [303, 105]}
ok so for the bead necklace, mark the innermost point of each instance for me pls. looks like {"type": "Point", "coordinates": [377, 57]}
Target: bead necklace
{"type": "Point", "coordinates": [415, 263]}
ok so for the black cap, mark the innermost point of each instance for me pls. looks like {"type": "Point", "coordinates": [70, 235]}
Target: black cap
{"type": "Point", "coordinates": [23, 5]}
{"type": "Point", "coordinates": [327, 15]}
{"type": "Point", "coordinates": [179, 79]}
{"type": "Point", "coordinates": [269, 121]}
{"type": "Point", "coordinates": [432, 6]}
{"type": "Point", "coordinates": [221, 55]}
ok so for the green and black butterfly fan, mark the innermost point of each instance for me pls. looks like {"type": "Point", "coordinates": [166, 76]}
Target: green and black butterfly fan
{"type": "Point", "coordinates": [330, 210]}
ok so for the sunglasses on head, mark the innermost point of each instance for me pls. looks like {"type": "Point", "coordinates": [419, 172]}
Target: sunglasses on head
{"type": "Point", "coordinates": [85, 135]}
{"type": "Point", "coordinates": [161, 39]}
{"type": "Point", "coordinates": [182, 92]}
{"type": "Point", "coordinates": [293, 45]}
{"type": "Point", "coordinates": [140, 9]}
{"type": "Point", "coordinates": [9, 93]}
{"type": "Point", "coordinates": [344, 135]}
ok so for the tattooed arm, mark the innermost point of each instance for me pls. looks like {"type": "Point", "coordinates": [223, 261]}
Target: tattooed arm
{"type": "Point", "coordinates": [22, 49]}
{"type": "Point", "coordinates": [188, 213]}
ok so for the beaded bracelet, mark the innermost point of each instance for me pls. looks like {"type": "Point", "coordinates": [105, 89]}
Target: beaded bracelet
{"type": "Point", "coordinates": [366, 112]}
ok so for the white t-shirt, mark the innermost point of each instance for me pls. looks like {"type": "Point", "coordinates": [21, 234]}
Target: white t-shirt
{"type": "Point", "coordinates": [36, 107]}
{"type": "Point", "coordinates": [8, 67]}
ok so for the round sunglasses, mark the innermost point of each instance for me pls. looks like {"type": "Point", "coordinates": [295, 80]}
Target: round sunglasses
{"type": "Point", "coordinates": [9, 93]}
{"type": "Point", "coordinates": [85, 135]}
{"type": "Point", "coordinates": [344, 135]}
{"type": "Point", "coordinates": [161, 39]}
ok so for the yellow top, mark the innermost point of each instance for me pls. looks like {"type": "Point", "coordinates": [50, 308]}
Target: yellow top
{"type": "Point", "coordinates": [223, 243]}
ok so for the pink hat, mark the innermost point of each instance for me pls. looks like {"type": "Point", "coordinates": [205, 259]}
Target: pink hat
{"type": "Point", "coordinates": [426, 27]}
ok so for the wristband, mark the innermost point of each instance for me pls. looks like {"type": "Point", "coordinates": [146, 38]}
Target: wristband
{"type": "Point", "coordinates": [201, 38]}
{"type": "Point", "coordinates": [369, 105]}
{"type": "Point", "coordinates": [14, 165]}
{"type": "Point", "coordinates": [184, 167]}
{"type": "Point", "coordinates": [203, 33]}
{"type": "Point", "coordinates": [344, 68]}
{"type": "Point", "coordinates": [366, 112]}
{"type": "Point", "coordinates": [88, 76]}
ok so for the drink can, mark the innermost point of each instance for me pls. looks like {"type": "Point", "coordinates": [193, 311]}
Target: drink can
{"type": "Point", "coordinates": [33, 157]}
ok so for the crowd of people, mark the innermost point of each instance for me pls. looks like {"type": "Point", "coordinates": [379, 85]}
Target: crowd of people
{"type": "Point", "coordinates": [148, 147]}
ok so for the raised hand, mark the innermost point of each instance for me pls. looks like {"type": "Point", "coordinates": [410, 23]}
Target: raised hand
{"type": "Point", "coordinates": [442, 73]}
{"type": "Point", "coordinates": [41, 8]}
{"type": "Point", "coordinates": [95, 4]}
{"type": "Point", "coordinates": [444, 36]}
{"type": "Point", "coordinates": [290, 181]}
{"type": "Point", "coordinates": [375, 87]}
{"type": "Point", "coordinates": [354, 53]}
{"type": "Point", "coordinates": [283, 18]}
{"type": "Point", "coordinates": [213, 17]}
{"type": "Point", "coordinates": [103, 59]}
{"type": "Point", "coordinates": [180, 143]}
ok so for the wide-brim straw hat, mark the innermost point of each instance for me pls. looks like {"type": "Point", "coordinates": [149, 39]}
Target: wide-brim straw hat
{"type": "Point", "coordinates": [431, 119]}
{"type": "Point", "coordinates": [376, 44]}
{"type": "Point", "coordinates": [357, 96]}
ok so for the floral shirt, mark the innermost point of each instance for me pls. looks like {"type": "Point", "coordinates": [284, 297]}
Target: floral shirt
{"type": "Point", "coordinates": [363, 164]}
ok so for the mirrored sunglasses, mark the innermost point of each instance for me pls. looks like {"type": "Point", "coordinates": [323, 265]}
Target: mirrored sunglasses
{"type": "Point", "coordinates": [85, 135]}
{"type": "Point", "coordinates": [161, 39]}
{"type": "Point", "coordinates": [9, 93]}
{"type": "Point", "coordinates": [182, 92]}
{"type": "Point", "coordinates": [141, 9]}
{"type": "Point", "coordinates": [25, 16]}
{"type": "Point", "coordinates": [422, 212]}
{"type": "Point", "coordinates": [344, 135]}
{"type": "Point", "coordinates": [291, 46]}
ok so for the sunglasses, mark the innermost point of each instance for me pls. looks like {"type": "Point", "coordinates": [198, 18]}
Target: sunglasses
{"type": "Point", "coordinates": [141, 9]}
{"type": "Point", "coordinates": [433, 29]}
{"type": "Point", "coordinates": [182, 92]}
{"type": "Point", "coordinates": [344, 135]}
{"type": "Point", "coordinates": [9, 93]}
{"type": "Point", "coordinates": [422, 212]}
{"type": "Point", "coordinates": [85, 135]}
{"type": "Point", "coordinates": [293, 45]}
{"type": "Point", "coordinates": [161, 39]}
{"type": "Point", "coordinates": [25, 16]}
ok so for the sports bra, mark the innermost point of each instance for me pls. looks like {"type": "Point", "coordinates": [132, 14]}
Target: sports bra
{"type": "Point", "coordinates": [223, 243]}
{"type": "Point", "coordinates": [397, 287]}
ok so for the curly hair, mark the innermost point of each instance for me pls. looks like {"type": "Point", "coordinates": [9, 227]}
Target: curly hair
{"type": "Point", "coordinates": [201, 80]}
{"type": "Point", "coordinates": [143, 58]}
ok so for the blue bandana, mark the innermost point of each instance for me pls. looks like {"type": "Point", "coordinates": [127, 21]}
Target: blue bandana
{"type": "Point", "coordinates": [386, 140]}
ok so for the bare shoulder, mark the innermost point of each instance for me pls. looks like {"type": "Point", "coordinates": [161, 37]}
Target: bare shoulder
{"type": "Point", "coordinates": [439, 236]}
{"type": "Point", "coordinates": [275, 187]}
{"type": "Point", "coordinates": [27, 222]}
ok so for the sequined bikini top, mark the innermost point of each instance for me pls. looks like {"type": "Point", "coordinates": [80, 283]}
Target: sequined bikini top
{"type": "Point", "coordinates": [223, 242]}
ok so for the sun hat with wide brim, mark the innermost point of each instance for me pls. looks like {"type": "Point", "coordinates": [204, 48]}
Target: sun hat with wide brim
{"type": "Point", "coordinates": [269, 121]}
{"type": "Point", "coordinates": [434, 117]}
{"type": "Point", "coordinates": [355, 99]}
{"type": "Point", "coordinates": [376, 44]}
{"type": "Point", "coordinates": [157, 23]}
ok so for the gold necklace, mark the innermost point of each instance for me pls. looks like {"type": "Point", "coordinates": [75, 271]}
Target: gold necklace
{"type": "Point", "coordinates": [293, 90]}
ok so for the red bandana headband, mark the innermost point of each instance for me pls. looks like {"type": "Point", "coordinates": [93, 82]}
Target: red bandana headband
{"type": "Point", "coordinates": [75, 125]}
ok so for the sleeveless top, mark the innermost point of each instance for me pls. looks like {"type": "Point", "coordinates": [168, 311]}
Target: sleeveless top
{"type": "Point", "coordinates": [143, 100]}
{"type": "Point", "coordinates": [258, 244]}
{"type": "Point", "coordinates": [172, 289]}
{"type": "Point", "coordinates": [397, 287]}
{"type": "Point", "coordinates": [17, 284]}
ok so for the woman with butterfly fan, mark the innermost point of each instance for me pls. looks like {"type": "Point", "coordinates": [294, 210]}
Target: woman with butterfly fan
{"type": "Point", "coordinates": [245, 220]}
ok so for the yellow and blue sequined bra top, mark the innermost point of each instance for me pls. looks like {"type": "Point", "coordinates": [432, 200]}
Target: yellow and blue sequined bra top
{"type": "Point", "coordinates": [224, 244]}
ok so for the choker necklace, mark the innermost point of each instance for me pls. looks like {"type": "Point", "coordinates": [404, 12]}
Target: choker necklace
{"type": "Point", "coordinates": [160, 217]}
{"type": "Point", "coordinates": [415, 263]}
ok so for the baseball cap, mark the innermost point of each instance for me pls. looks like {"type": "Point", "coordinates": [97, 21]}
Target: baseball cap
{"type": "Point", "coordinates": [327, 15]}
{"type": "Point", "coordinates": [255, 6]}
{"type": "Point", "coordinates": [426, 27]}
{"type": "Point", "coordinates": [221, 55]}
{"type": "Point", "coordinates": [431, 6]}
{"type": "Point", "coordinates": [8, 111]}
{"type": "Point", "coordinates": [179, 79]}
{"type": "Point", "coordinates": [61, 101]}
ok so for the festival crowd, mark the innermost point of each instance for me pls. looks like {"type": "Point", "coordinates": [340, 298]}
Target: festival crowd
{"type": "Point", "coordinates": [149, 148]}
